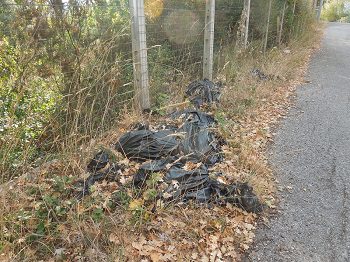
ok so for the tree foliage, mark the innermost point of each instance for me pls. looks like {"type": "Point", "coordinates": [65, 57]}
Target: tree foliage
{"type": "Point", "coordinates": [336, 10]}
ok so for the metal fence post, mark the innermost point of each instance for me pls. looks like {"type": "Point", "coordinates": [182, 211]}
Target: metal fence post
{"type": "Point", "coordinates": [208, 55]}
{"type": "Point", "coordinates": [139, 54]}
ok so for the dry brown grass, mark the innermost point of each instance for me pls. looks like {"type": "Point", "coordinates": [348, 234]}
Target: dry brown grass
{"type": "Point", "coordinates": [256, 106]}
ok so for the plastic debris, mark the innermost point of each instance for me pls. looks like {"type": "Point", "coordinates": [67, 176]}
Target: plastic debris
{"type": "Point", "coordinates": [110, 172]}
{"type": "Point", "coordinates": [157, 165]}
{"type": "Point", "coordinates": [99, 161]}
{"type": "Point", "coordinates": [203, 92]}
{"type": "Point", "coordinates": [182, 153]}
{"type": "Point", "coordinates": [259, 74]}
{"type": "Point", "coordinates": [142, 145]}
{"type": "Point", "coordinates": [179, 174]}
{"type": "Point", "coordinates": [192, 139]}
{"type": "Point", "coordinates": [199, 143]}
{"type": "Point", "coordinates": [197, 185]}
{"type": "Point", "coordinates": [211, 191]}
{"type": "Point", "coordinates": [188, 114]}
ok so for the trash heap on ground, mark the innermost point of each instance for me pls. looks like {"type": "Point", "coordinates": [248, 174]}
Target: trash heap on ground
{"type": "Point", "coordinates": [183, 150]}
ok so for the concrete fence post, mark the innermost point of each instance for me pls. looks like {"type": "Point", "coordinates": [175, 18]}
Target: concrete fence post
{"type": "Point", "coordinates": [208, 54]}
{"type": "Point", "coordinates": [281, 24]}
{"type": "Point", "coordinates": [267, 26]}
{"type": "Point", "coordinates": [247, 14]}
{"type": "Point", "coordinates": [319, 11]}
{"type": "Point", "coordinates": [139, 54]}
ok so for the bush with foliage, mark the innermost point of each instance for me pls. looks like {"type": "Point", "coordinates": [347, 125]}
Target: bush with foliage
{"type": "Point", "coordinates": [336, 11]}
{"type": "Point", "coordinates": [27, 103]}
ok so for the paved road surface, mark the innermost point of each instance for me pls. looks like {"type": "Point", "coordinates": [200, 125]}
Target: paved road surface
{"type": "Point", "coordinates": [311, 154]}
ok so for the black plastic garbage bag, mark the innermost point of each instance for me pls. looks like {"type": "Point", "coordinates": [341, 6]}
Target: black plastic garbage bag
{"type": "Point", "coordinates": [199, 143]}
{"type": "Point", "coordinates": [201, 195]}
{"type": "Point", "coordinates": [99, 161]}
{"type": "Point", "coordinates": [239, 194]}
{"type": "Point", "coordinates": [139, 179]}
{"type": "Point", "coordinates": [193, 140]}
{"type": "Point", "coordinates": [203, 189]}
{"type": "Point", "coordinates": [111, 174]}
{"type": "Point", "coordinates": [203, 92]}
{"type": "Point", "coordinates": [179, 174]}
{"type": "Point", "coordinates": [189, 181]}
{"type": "Point", "coordinates": [150, 167]}
{"type": "Point", "coordinates": [188, 114]}
{"type": "Point", "coordinates": [259, 74]}
{"type": "Point", "coordinates": [158, 165]}
{"type": "Point", "coordinates": [142, 145]}
{"type": "Point", "coordinates": [189, 188]}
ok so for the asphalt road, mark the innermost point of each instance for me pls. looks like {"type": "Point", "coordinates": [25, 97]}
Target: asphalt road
{"type": "Point", "coordinates": [311, 156]}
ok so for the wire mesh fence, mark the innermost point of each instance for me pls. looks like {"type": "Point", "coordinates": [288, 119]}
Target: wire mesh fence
{"type": "Point", "coordinates": [175, 38]}
{"type": "Point", "coordinates": [69, 66]}
{"type": "Point", "coordinates": [84, 48]}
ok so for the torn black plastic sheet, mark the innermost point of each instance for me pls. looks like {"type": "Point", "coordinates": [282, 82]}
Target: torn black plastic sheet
{"type": "Point", "coordinates": [203, 92]}
{"type": "Point", "coordinates": [99, 161]}
{"type": "Point", "coordinates": [200, 143]}
{"type": "Point", "coordinates": [203, 189]}
{"type": "Point", "coordinates": [111, 174]}
{"type": "Point", "coordinates": [180, 174]}
{"type": "Point", "coordinates": [259, 74]}
{"type": "Point", "coordinates": [143, 145]}
{"type": "Point", "coordinates": [193, 139]}
{"type": "Point", "coordinates": [100, 168]}
{"type": "Point", "coordinates": [190, 114]}
{"type": "Point", "coordinates": [139, 179]}
{"type": "Point", "coordinates": [198, 185]}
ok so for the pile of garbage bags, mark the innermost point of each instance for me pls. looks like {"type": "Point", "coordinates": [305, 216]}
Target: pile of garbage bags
{"type": "Point", "coordinates": [171, 147]}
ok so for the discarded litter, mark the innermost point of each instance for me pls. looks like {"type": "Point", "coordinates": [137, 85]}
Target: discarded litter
{"type": "Point", "coordinates": [259, 74]}
{"type": "Point", "coordinates": [143, 145]}
{"type": "Point", "coordinates": [204, 118]}
{"type": "Point", "coordinates": [110, 172]}
{"type": "Point", "coordinates": [197, 185]}
{"type": "Point", "coordinates": [183, 152]}
{"type": "Point", "coordinates": [206, 190]}
{"type": "Point", "coordinates": [192, 139]}
{"type": "Point", "coordinates": [99, 161]}
{"type": "Point", "coordinates": [203, 92]}
{"type": "Point", "coordinates": [199, 143]}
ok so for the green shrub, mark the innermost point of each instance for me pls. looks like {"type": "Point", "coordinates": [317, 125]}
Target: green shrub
{"type": "Point", "coordinates": [27, 103]}
{"type": "Point", "coordinates": [335, 11]}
